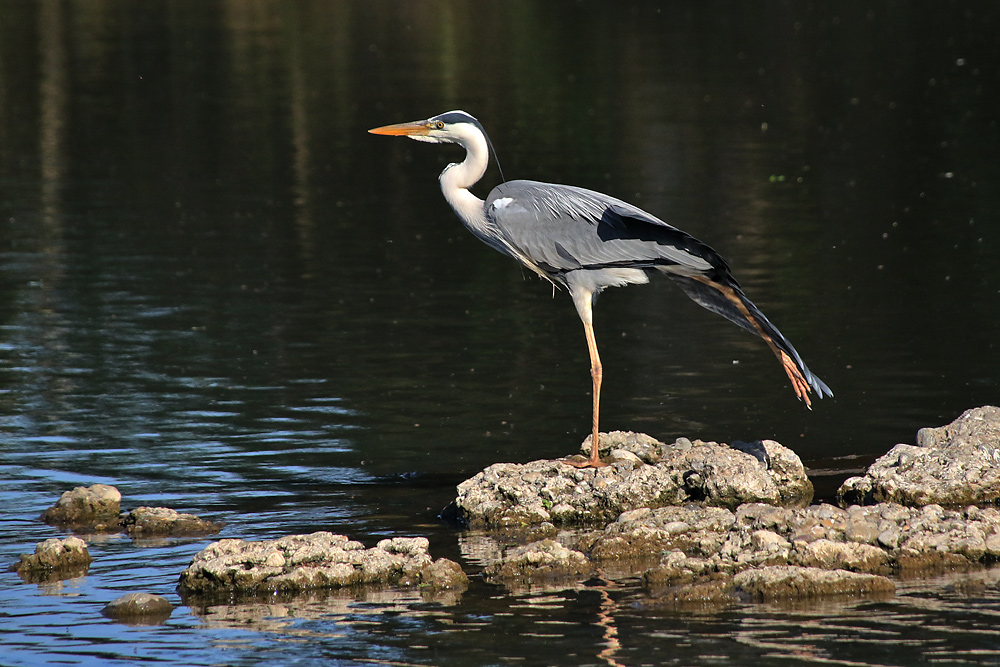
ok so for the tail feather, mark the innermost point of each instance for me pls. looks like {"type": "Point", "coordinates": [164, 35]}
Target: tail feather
{"type": "Point", "coordinates": [729, 301]}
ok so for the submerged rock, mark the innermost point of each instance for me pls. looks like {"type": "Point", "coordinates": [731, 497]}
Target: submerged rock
{"type": "Point", "coordinates": [645, 474]}
{"type": "Point", "coordinates": [545, 560]}
{"type": "Point", "coordinates": [139, 609]}
{"type": "Point", "coordinates": [443, 575]}
{"type": "Point", "coordinates": [97, 508]}
{"type": "Point", "coordinates": [94, 508]}
{"type": "Point", "coordinates": [957, 464]}
{"type": "Point", "coordinates": [161, 522]}
{"type": "Point", "coordinates": [787, 582]}
{"type": "Point", "coordinates": [321, 560]}
{"type": "Point", "coordinates": [55, 559]}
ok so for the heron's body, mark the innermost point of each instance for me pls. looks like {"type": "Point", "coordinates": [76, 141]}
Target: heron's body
{"type": "Point", "coordinates": [585, 241]}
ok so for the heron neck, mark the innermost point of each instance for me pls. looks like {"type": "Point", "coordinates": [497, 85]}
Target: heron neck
{"type": "Point", "coordinates": [456, 180]}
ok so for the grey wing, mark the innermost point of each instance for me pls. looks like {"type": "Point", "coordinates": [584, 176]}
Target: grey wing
{"type": "Point", "coordinates": [563, 229]}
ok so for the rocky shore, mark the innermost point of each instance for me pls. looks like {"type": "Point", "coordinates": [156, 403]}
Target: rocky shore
{"type": "Point", "coordinates": [696, 522]}
{"type": "Point", "coordinates": [696, 553]}
{"type": "Point", "coordinates": [708, 522]}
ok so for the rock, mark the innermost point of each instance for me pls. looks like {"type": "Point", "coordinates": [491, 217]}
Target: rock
{"type": "Point", "coordinates": [707, 523]}
{"type": "Point", "coordinates": [785, 582]}
{"type": "Point", "coordinates": [302, 562]}
{"type": "Point", "coordinates": [443, 574]}
{"type": "Point", "coordinates": [93, 508]}
{"type": "Point", "coordinates": [55, 559]}
{"type": "Point", "coordinates": [829, 555]}
{"type": "Point", "coordinates": [139, 609]}
{"type": "Point", "coordinates": [518, 496]}
{"type": "Point", "coordinates": [774, 583]}
{"type": "Point", "coordinates": [714, 592]}
{"type": "Point", "coordinates": [975, 427]}
{"type": "Point", "coordinates": [675, 570]}
{"type": "Point", "coordinates": [643, 534]}
{"type": "Point", "coordinates": [720, 475]}
{"type": "Point", "coordinates": [862, 531]}
{"type": "Point", "coordinates": [676, 547]}
{"type": "Point", "coordinates": [544, 560]}
{"type": "Point", "coordinates": [644, 447]}
{"type": "Point", "coordinates": [767, 542]}
{"type": "Point", "coordinates": [957, 465]}
{"type": "Point", "coordinates": [161, 522]}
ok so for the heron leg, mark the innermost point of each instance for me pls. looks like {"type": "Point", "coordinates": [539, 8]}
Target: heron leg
{"type": "Point", "coordinates": [596, 374]}
{"type": "Point", "coordinates": [583, 299]}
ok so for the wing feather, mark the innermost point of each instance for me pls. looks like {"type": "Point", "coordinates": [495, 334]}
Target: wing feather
{"type": "Point", "coordinates": [564, 228]}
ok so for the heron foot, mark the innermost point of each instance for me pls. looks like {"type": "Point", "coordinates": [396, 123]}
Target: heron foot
{"type": "Point", "coordinates": [799, 383]}
{"type": "Point", "coordinates": [578, 461]}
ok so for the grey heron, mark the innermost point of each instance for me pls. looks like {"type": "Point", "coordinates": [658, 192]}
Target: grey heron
{"type": "Point", "coordinates": [585, 241]}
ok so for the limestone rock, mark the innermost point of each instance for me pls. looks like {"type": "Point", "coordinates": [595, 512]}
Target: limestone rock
{"type": "Point", "coordinates": [443, 574]}
{"type": "Point", "coordinates": [644, 447]}
{"type": "Point", "coordinates": [94, 508]}
{"type": "Point", "coordinates": [677, 569]}
{"type": "Point", "coordinates": [704, 523]}
{"type": "Point", "coordinates": [538, 561]}
{"type": "Point", "coordinates": [957, 464]}
{"type": "Point", "coordinates": [830, 555]}
{"type": "Point", "coordinates": [161, 521]}
{"type": "Point", "coordinates": [673, 548]}
{"type": "Point", "coordinates": [518, 496]}
{"type": "Point", "coordinates": [302, 562]}
{"type": "Point", "coordinates": [786, 582]}
{"type": "Point", "coordinates": [139, 609]}
{"type": "Point", "coordinates": [714, 592]}
{"type": "Point", "coordinates": [772, 584]}
{"type": "Point", "coordinates": [55, 559]}
{"type": "Point", "coordinates": [644, 533]}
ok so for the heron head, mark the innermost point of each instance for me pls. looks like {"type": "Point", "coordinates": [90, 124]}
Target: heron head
{"type": "Point", "coordinates": [453, 127]}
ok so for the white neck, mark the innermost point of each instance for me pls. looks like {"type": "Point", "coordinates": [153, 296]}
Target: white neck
{"type": "Point", "coordinates": [456, 180]}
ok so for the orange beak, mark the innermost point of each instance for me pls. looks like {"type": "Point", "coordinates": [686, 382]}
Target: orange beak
{"type": "Point", "coordinates": [418, 128]}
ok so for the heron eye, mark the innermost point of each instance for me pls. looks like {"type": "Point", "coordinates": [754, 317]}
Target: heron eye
{"type": "Point", "coordinates": [439, 125]}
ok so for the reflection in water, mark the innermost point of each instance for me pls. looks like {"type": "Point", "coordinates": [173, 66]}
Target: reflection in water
{"type": "Point", "coordinates": [606, 620]}
{"type": "Point", "coordinates": [59, 585]}
{"type": "Point", "coordinates": [219, 294]}
{"type": "Point", "coordinates": [344, 608]}
{"type": "Point", "coordinates": [53, 94]}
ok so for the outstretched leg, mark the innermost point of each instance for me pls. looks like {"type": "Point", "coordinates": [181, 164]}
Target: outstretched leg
{"type": "Point", "coordinates": [799, 383]}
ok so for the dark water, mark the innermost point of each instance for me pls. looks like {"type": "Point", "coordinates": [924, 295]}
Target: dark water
{"type": "Point", "coordinates": [219, 294]}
